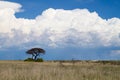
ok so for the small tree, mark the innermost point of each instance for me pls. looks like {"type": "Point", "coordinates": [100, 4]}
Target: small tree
{"type": "Point", "coordinates": [35, 52]}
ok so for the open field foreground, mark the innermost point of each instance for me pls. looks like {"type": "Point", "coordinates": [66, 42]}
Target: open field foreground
{"type": "Point", "coordinates": [19, 70]}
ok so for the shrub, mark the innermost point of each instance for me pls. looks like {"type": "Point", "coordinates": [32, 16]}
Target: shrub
{"type": "Point", "coordinates": [32, 60]}
{"type": "Point", "coordinates": [39, 60]}
{"type": "Point", "coordinates": [29, 59]}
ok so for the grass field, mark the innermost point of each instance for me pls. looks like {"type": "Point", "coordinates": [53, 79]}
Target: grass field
{"type": "Point", "coordinates": [19, 70]}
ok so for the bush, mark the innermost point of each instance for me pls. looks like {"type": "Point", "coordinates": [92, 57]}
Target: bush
{"type": "Point", "coordinates": [29, 59]}
{"type": "Point", "coordinates": [32, 60]}
{"type": "Point", "coordinates": [39, 60]}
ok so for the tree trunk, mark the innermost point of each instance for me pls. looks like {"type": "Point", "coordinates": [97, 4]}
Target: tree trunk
{"type": "Point", "coordinates": [32, 56]}
{"type": "Point", "coordinates": [35, 57]}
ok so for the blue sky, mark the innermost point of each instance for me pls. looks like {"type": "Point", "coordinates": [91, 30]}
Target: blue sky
{"type": "Point", "coordinates": [105, 8]}
{"type": "Point", "coordinates": [66, 29]}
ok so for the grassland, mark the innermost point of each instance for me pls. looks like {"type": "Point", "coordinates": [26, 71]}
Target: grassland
{"type": "Point", "coordinates": [20, 70]}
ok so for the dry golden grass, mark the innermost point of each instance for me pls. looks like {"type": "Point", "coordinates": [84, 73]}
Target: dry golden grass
{"type": "Point", "coordinates": [19, 70]}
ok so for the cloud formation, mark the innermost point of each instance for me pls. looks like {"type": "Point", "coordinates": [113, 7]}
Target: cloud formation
{"type": "Point", "coordinates": [10, 5]}
{"type": "Point", "coordinates": [57, 28]}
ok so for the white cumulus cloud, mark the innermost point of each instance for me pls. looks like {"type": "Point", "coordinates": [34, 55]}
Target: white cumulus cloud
{"type": "Point", "coordinates": [57, 28]}
{"type": "Point", "coordinates": [10, 5]}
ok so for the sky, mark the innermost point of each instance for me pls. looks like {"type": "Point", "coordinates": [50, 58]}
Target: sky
{"type": "Point", "coordinates": [66, 29]}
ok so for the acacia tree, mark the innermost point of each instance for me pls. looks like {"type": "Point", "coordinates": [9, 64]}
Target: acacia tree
{"type": "Point", "coordinates": [35, 52]}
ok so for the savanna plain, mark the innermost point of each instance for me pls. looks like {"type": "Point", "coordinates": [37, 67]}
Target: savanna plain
{"type": "Point", "coordinates": [58, 70]}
